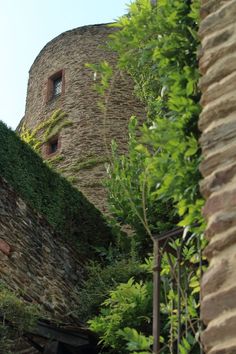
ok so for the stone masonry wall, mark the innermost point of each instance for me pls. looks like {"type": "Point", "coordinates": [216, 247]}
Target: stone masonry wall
{"type": "Point", "coordinates": [34, 261]}
{"type": "Point", "coordinates": [91, 132]}
{"type": "Point", "coordinates": [218, 141]}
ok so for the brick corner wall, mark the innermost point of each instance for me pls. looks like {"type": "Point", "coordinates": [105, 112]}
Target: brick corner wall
{"type": "Point", "coordinates": [218, 125]}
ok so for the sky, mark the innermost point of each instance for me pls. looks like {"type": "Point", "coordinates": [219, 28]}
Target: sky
{"type": "Point", "coordinates": [26, 26]}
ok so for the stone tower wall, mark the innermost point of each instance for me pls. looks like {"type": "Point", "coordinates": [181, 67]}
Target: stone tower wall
{"type": "Point", "coordinates": [88, 137]}
{"type": "Point", "coordinates": [218, 141]}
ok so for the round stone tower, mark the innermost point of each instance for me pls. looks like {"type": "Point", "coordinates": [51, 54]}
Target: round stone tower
{"type": "Point", "coordinates": [79, 143]}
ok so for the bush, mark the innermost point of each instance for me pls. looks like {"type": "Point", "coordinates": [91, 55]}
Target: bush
{"type": "Point", "coordinates": [15, 317]}
{"type": "Point", "coordinates": [100, 280]}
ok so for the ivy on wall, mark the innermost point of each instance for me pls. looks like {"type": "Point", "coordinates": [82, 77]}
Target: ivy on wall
{"type": "Point", "coordinates": [44, 131]}
{"type": "Point", "coordinates": [65, 208]}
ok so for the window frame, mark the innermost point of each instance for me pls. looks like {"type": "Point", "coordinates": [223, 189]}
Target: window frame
{"type": "Point", "coordinates": [60, 74]}
{"type": "Point", "coordinates": [47, 151]}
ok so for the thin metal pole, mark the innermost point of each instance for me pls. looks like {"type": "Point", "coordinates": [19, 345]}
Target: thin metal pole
{"type": "Point", "coordinates": [179, 297]}
{"type": "Point", "coordinates": [201, 273]}
{"type": "Point", "coordinates": [171, 321]}
{"type": "Point", "coordinates": [156, 297]}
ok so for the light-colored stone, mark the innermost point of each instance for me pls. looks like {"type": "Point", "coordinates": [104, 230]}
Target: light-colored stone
{"type": "Point", "coordinates": [218, 125]}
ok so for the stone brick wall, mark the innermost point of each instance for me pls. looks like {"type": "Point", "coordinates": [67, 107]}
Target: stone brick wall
{"type": "Point", "coordinates": [218, 141]}
{"type": "Point", "coordinates": [91, 131]}
{"type": "Point", "coordinates": [34, 261]}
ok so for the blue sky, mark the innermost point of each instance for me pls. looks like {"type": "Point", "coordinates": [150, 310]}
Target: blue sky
{"type": "Point", "coordinates": [26, 26]}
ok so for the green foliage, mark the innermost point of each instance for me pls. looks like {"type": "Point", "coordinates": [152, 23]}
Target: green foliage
{"type": "Point", "coordinates": [157, 47]}
{"type": "Point", "coordinates": [127, 306]}
{"type": "Point", "coordinates": [131, 200]}
{"type": "Point", "coordinates": [88, 163]}
{"type": "Point", "coordinates": [136, 341]}
{"type": "Point", "coordinates": [44, 131]}
{"type": "Point", "coordinates": [155, 186]}
{"type": "Point", "coordinates": [102, 76]}
{"type": "Point", "coordinates": [107, 278]}
{"type": "Point", "coordinates": [63, 206]}
{"type": "Point", "coordinates": [16, 317]}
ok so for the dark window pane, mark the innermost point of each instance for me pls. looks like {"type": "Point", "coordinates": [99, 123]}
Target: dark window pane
{"type": "Point", "coordinates": [57, 86]}
{"type": "Point", "coordinates": [53, 147]}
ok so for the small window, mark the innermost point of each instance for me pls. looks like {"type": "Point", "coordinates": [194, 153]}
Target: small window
{"type": "Point", "coordinates": [55, 86]}
{"type": "Point", "coordinates": [53, 146]}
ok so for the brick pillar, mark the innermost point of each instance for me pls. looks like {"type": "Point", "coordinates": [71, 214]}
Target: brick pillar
{"type": "Point", "coordinates": [218, 125]}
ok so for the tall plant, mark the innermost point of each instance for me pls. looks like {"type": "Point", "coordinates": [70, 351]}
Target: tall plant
{"type": "Point", "coordinates": [155, 186]}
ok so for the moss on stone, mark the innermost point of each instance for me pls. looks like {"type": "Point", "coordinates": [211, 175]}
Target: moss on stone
{"type": "Point", "coordinates": [88, 163]}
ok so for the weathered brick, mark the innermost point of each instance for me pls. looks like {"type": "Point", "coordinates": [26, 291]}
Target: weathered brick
{"type": "Point", "coordinates": [218, 158]}
{"type": "Point", "coordinates": [215, 277]}
{"type": "Point", "coordinates": [218, 124]}
{"type": "Point", "coordinates": [209, 6]}
{"type": "Point", "coordinates": [218, 89]}
{"type": "Point", "coordinates": [211, 55]}
{"type": "Point", "coordinates": [220, 242]}
{"type": "Point", "coordinates": [217, 180]}
{"type": "Point", "coordinates": [222, 221]}
{"type": "Point", "coordinates": [223, 332]}
{"type": "Point", "coordinates": [225, 14]}
{"type": "Point", "coordinates": [225, 200]}
{"type": "Point", "coordinates": [219, 136]}
{"type": "Point", "coordinates": [217, 303]}
{"type": "Point", "coordinates": [223, 67]}
{"type": "Point", "coordinates": [228, 347]}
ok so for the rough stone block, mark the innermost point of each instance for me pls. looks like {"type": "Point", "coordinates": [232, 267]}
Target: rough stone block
{"type": "Point", "coordinates": [216, 304]}
{"type": "Point", "coordinates": [217, 180]}
{"type": "Point", "coordinates": [215, 277]}
{"type": "Point", "coordinates": [223, 13]}
{"type": "Point", "coordinates": [220, 222]}
{"type": "Point", "coordinates": [5, 247]}
{"type": "Point", "coordinates": [225, 200]}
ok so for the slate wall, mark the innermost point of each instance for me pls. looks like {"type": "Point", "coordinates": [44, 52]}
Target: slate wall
{"type": "Point", "coordinates": [35, 262]}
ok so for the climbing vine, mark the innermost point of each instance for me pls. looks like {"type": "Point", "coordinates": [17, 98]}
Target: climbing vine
{"type": "Point", "coordinates": [44, 131]}
{"type": "Point", "coordinates": [63, 206]}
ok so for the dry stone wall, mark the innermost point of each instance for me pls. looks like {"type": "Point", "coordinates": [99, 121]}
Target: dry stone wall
{"type": "Point", "coordinates": [218, 141]}
{"type": "Point", "coordinates": [90, 134]}
{"type": "Point", "coordinates": [34, 261]}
